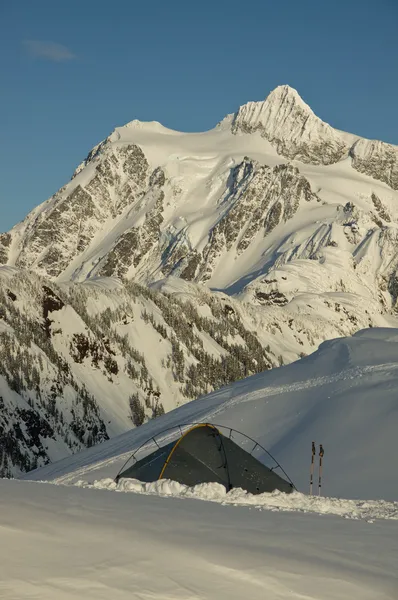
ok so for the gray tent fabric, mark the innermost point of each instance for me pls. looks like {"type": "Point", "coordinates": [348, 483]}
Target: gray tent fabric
{"type": "Point", "coordinates": [204, 455]}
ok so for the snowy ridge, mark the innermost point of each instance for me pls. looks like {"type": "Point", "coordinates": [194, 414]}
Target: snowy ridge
{"type": "Point", "coordinates": [377, 159]}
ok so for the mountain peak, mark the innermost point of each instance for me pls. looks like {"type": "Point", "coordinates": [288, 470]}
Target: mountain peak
{"type": "Point", "coordinates": [281, 100]}
{"type": "Point", "coordinates": [286, 94]}
{"type": "Point", "coordinates": [286, 121]}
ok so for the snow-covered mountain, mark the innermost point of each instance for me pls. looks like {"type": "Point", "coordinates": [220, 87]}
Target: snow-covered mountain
{"type": "Point", "coordinates": [220, 207]}
{"type": "Point", "coordinates": [291, 127]}
{"type": "Point", "coordinates": [174, 263]}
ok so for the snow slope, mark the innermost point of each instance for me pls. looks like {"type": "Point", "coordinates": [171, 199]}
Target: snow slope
{"type": "Point", "coordinates": [70, 543]}
{"type": "Point", "coordinates": [343, 396]}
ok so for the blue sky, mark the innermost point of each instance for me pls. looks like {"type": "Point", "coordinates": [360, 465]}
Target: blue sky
{"type": "Point", "coordinates": [72, 71]}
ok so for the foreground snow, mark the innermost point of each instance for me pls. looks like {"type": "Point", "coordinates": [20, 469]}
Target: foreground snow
{"type": "Point", "coordinates": [69, 543]}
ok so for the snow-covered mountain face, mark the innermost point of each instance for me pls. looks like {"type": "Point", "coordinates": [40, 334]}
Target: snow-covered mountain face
{"type": "Point", "coordinates": [269, 185]}
{"type": "Point", "coordinates": [173, 263]}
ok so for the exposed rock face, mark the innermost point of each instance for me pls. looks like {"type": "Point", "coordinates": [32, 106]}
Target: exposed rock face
{"type": "Point", "coordinates": [384, 241]}
{"type": "Point", "coordinates": [257, 199]}
{"type": "Point", "coordinates": [376, 159]}
{"type": "Point", "coordinates": [133, 245]}
{"type": "Point", "coordinates": [65, 229]}
{"type": "Point", "coordinates": [260, 198]}
{"type": "Point", "coordinates": [5, 241]}
{"type": "Point", "coordinates": [291, 126]}
{"type": "Point", "coordinates": [380, 208]}
{"type": "Point", "coordinates": [92, 155]}
{"type": "Point", "coordinates": [180, 259]}
{"type": "Point", "coordinates": [74, 215]}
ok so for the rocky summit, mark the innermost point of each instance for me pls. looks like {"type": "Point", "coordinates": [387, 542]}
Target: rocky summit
{"type": "Point", "coordinates": [174, 263]}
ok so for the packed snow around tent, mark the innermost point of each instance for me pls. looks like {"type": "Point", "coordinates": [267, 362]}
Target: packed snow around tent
{"type": "Point", "coordinates": [343, 396]}
{"type": "Point", "coordinates": [367, 510]}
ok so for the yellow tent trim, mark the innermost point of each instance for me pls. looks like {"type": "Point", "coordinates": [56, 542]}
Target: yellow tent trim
{"type": "Point", "coordinates": [181, 438]}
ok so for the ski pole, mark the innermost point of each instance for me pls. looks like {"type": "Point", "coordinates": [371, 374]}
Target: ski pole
{"type": "Point", "coordinates": [321, 455]}
{"type": "Point", "coordinates": [312, 466]}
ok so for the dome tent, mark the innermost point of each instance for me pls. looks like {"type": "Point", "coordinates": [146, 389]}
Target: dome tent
{"type": "Point", "coordinates": [204, 455]}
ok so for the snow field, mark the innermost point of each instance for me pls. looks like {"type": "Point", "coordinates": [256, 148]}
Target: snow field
{"type": "Point", "coordinates": [73, 544]}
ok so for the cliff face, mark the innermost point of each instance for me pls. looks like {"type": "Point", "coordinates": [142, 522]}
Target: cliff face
{"type": "Point", "coordinates": [376, 159]}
